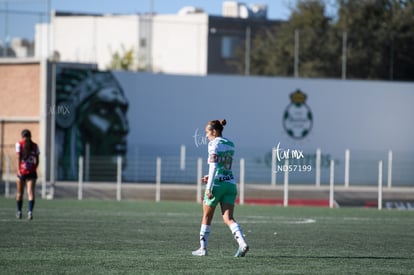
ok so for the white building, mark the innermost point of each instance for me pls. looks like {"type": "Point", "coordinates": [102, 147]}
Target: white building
{"type": "Point", "coordinates": [182, 43]}
{"type": "Point", "coordinates": [89, 38]}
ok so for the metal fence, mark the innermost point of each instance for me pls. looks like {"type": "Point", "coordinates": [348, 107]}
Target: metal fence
{"type": "Point", "coordinates": [353, 169]}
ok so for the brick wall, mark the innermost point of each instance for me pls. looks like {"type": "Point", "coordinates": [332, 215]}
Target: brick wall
{"type": "Point", "coordinates": [20, 90]}
{"type": "Point", "coordinates": [20, 97]}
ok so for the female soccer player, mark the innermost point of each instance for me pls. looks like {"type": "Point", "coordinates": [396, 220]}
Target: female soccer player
{"type": "Point", "coordinates": [220, 188]}
{"type": "Point", "coordinates": [27, 161]}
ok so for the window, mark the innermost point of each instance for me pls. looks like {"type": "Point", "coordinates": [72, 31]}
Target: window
{"type": "Point", "coordinates": [229, 45]}
{"type": "Point", "coordinates": [143, 42]}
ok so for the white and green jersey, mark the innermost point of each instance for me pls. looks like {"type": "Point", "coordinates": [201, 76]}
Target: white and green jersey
{"type": "Point", "coordinates": [220, 159]}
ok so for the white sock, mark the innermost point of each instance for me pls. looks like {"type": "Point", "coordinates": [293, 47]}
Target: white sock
{"type": "Point", "coordinates": [204, 234]}
{"type": "Point", "coordinates": [238, 234]}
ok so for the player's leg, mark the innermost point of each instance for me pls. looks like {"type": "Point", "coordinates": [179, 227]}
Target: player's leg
{"type": "Point", "coordinates": [227, 211]}
{"type": "Point", "coordinates": [209, 206]}
{"type": "Point", "coordinates": [208, 213]}
{"type": "Point", "coordinates": [31, 188]}
{"type": "Point", "coordinates": [20, 184]}
{"type": "Point", "coordinates": [235, 228]}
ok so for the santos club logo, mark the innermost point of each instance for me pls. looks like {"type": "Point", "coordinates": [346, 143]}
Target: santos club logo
{"type": "Point", "coordinates": [297, 118]}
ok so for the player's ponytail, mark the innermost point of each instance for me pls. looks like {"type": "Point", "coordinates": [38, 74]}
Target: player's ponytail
{"type": "Point", "coordinates": [217, 125]}
{"type": "Point", "coordinates": [28, 144]}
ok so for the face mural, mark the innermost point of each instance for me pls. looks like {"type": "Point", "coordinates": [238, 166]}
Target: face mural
{"type": "Point", "coordinates": [91, 121]}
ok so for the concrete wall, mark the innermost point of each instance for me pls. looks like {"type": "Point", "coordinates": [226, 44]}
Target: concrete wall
{"type": "Point", "coordinates": [367, 117]}
{"type": "Point", "coordinates": [166, 111]}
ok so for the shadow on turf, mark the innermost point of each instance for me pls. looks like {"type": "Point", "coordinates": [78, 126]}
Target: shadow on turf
{"type": "Point", "coordinates": [337, 257]}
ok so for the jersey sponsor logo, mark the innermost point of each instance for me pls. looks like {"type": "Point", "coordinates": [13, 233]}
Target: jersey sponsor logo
{"type": "Point", "coordinates": [225, 178]}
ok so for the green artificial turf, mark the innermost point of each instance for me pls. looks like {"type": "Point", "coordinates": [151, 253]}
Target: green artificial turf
{"type": "Point", "coordinates": [129, 237]}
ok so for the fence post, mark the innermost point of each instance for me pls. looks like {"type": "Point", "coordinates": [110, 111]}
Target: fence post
{"type": "Point", "coordinates": [318, 168]}
{"type": "Point", "coordinates": [182, 158]}
{"type": "Point", "coordinates": [7, 187]}
{"type": "Point", "coordinates": [119, 178]}
{"type": "Point", "coordinates": [87, 160]}
{"type": "Point", "coordinates": [273, 175]}
{"type": "Point", "coordinates": [43, 192]}
{"type": "Point", "coordinates": [380, 185]}
{"type": "Point", "coordinates": [158, 180]}
{"type": "Point", "coordinates": [286, 184]}
{"type": "Point", "coordinates": [80, 178]}
{"type": "Point", "coordinates": [242, 181]}
{"type": "Point", "coordinates": [199, 176]}
{"type": "Point", "coordinates": [331, 184]}
{"type": "Point", "coordinates": [389, 169]}
{"type": "Point", "coordinates": [347, 158]}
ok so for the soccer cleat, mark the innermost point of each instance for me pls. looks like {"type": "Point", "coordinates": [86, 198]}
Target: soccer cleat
{"type": "Point", "coordinates": [241, 252]}
{"type": "Point", "coordinates": [19, 215]}
{"type": "Point", "coordinates": [200, 252]}
{"type": "Point", "coordinates": [30, 215]}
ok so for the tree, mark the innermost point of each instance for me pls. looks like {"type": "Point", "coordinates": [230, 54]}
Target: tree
{"type": "Point", "coordinates": [122, 61]}
{"type": "Point", "coordinates": [401, 57]}
{"type": "Point", "coordinates": [273, 52]}
{"type": "Point", "coordinates": [380, 33]}
{"type": "Point", "coordinates": [379, 39]}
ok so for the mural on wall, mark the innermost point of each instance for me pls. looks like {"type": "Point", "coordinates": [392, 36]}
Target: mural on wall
{"type": "Point", "coordinates": [91, 121]}
{"type": "Point", "coordinates": [297, 118]}
{"type": "Point", "coordinates": [166, 112]}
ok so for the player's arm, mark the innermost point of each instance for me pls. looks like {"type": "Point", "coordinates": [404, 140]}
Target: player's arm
{"type": "Point", "coordinates": [18, 158]}
{"type": "Point", "coordinates": [211, 172]}
{"type": "Point", "coordinates": [37, 157]}
{"type": "Point", "coordinates": [212, 164]}
{"type": "Point", "coordinates": [37, 161]}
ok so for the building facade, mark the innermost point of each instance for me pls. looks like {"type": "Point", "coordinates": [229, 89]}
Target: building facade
{"type": "Point", "coordinates": [75, 110]}
{"type": "Point", "coordinates": [23, 106]}
{"type": "Point", "coordinates": [190, 42]}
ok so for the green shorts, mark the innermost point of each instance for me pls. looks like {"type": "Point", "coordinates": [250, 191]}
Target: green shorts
{"type": "Point", "coordinates": [223, 192]}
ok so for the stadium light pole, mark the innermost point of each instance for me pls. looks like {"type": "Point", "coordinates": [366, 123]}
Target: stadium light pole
{"type": "Point", "coordinates": [49, 21]}
{"type": "Point", "coordinates": [52, 156]}
{"type": "Point", "coordinates": [391, 72]}
{"type": "Point", "coordinates": [247, 52]}
{"type": "Point", "coordinates": [296, 57]}
{"type": "Point", "coordinates": [6, 28]}
{"type": "Point", "coordinates": [149, 35]}
{"type": "Point", "coordinates": [344, 41]}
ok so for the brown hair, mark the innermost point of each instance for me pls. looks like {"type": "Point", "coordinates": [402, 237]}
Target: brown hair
{"type": "Point", "coordinates": [217, 125]}
{"type": "Point", "coordinates": [28, 144]}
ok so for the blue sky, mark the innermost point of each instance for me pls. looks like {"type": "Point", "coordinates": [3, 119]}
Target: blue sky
{"type": "Point", "coordinates": [21, 15]}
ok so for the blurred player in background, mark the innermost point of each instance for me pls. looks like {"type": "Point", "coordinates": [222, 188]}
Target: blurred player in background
{"type": "Point", "coordinates": [27, 162]}
{"type": "Point", "coordinates": [220, 188]}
